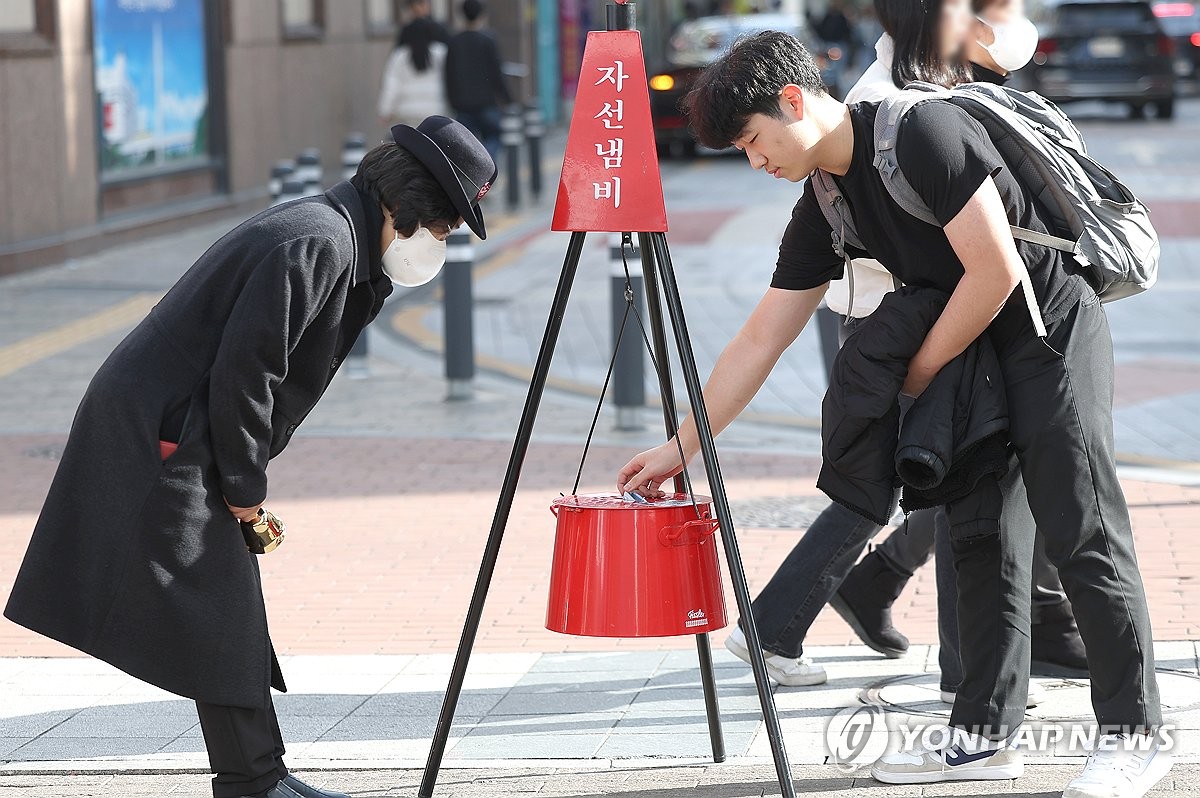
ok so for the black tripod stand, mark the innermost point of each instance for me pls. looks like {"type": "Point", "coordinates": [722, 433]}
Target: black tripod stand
{"type": "Point", "coordinates": [656, 265]}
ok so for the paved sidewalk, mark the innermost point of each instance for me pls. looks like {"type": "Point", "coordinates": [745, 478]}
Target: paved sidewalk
{"type": "Point", "coordinates": [646, 781]}
{"type": "Point", "coordinates": [597, 710]}
{"type": "Point", "coordinates": [381, 558]}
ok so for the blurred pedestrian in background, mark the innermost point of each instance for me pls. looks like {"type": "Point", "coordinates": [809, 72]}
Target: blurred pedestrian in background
{"type": "Point", "coordinates": [420, 14]}
{"type": "Point", "coordinates": [413, 85]}
{"type": "Point", "coordinates": [834, 28]}
{"type": "Point", "coordinates": [475, 85]}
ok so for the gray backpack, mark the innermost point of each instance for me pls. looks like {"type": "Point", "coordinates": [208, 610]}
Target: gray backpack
{"type": "Point", "coordinates": [1096, 218]}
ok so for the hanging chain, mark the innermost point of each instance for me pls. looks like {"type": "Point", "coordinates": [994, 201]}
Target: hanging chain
{"type": "Point", "coordinates": [631, 306]}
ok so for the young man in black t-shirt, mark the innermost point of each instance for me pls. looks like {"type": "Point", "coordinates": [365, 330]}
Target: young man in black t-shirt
{"type": "Point", "coordinates": [765, 97]}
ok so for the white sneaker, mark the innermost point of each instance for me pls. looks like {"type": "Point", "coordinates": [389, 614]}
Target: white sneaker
{"type": "Point", "coordinates": [1121, 767]}
{"type": "Point", "coordinates": [791, 672]}
{"type": "Point", "coordinates": [969, 758]}
{"type": "Point", "coordinates": [1037, 695]}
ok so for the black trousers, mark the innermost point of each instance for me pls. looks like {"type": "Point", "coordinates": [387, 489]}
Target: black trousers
{"type": "Point", "coordinates": [908, 547]}
{"type": "Point", "coordinates": [245, 748]}
{"type": "Point", "coordinates": [1060, 394]}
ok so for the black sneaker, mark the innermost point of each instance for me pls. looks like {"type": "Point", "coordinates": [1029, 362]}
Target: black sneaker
{"type": "Point", "coordinates": [864, 600]}
{"type": "Point", "coordinates": [1057, 649]}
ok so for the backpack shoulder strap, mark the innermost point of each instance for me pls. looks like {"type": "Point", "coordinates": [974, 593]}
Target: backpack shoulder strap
{"type": "Point", "coordinates": [836, 212]}
{"type": "Point", "coordinates": [841, 223]}
{"type": "Point", "coordinates": [888, 117]}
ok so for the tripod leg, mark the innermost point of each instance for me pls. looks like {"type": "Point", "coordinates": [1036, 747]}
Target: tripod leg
{"type": "Point", "coordinates": [721, 506]}
{"type": "Point", "coordinates": [712, 706]}
{"type": "Point", "coordinates": [492, 550]}
{"type": "Point", "coordinates": [658, 335]}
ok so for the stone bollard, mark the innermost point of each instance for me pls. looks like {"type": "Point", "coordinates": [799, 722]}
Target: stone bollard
{"type": "Point", "coordinates": [458, 315]}
{"type": "Point", "coordinates": [353, 150]}
{"type": "Point", "coordinates": [511, 138]}
{"type": "Point", "coordinates": [308, 169]}
{"type": "Point", "coordinates": [281, 171]}
{"type": "Point", "coordinates": [629, 371]}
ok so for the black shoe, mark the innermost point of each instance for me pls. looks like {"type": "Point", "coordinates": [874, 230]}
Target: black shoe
{"type": "Point", "coordinates": [305, 791]}
{"type": "Point", "coordinates": [280, 790]}
{"type": "Point", "coordinates": [864, 601]}
{"type": "Point", "coordinates": [1057, 649]}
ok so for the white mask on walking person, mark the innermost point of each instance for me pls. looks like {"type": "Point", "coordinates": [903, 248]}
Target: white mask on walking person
{"type": "Point", "coordinates": [1013, 42]}
{"type": "Point", "coordinates": [414, 260]}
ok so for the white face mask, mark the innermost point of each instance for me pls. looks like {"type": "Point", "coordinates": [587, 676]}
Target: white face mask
{"type": "Point", "coordinates": [1014, 44]}
{"type": "Point", "coordinates": [414, 260]}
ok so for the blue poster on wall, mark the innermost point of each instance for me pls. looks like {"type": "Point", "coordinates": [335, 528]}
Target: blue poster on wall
{"type": "Point", "coordinates": [151, 84]}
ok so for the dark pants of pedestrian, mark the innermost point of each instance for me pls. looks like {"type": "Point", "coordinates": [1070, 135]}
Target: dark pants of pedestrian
{"type": "Point", "coordinates": [909, 547]}
{"type": "Point", "coordinates": [245, 748]}
{"type": "Point", "coordinates": [484, 124]}
{"type": "Point", "coordinates": [1060, 393]}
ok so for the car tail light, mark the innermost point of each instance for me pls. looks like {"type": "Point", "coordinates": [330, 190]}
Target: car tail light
{"type": "Point", "coordinates": [1174, 10]}
{"type": "Point", "coordinates": [1045, 48]}
{"type": "Point", "coordinates": [1195, 40]}
{"type": "Point", "coordinates": [1166, 45]}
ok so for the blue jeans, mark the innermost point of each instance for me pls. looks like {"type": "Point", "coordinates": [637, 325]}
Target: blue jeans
{"type": "Point", "coordinates": [808, 578]}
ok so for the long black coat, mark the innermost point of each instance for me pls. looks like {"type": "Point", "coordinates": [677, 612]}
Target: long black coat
{"type": "Point", "coordinates": [952, 440]}
{"type": "Point", "coordinates": [137, 561]}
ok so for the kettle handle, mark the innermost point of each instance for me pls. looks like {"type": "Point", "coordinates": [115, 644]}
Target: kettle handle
{"type": "Point", "coordinates": [679, 534]}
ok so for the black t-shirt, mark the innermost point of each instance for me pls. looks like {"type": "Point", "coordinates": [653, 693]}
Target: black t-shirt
{"type": "Point", "coordinates": [946, 155]}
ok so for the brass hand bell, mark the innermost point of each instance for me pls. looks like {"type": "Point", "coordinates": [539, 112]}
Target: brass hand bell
{"type": "Point", "coordinates": [264, 533]}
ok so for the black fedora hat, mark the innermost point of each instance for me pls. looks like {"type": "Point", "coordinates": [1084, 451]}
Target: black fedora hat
{"type": "Point", "coordinates": [460, 164]}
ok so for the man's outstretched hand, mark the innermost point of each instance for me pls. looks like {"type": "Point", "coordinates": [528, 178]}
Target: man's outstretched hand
{"type": "Point", "coordinates": [650, 469]}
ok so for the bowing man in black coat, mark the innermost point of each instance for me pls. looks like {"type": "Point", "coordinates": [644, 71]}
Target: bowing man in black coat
{"type": "Point", "coordinates": [139, 560]}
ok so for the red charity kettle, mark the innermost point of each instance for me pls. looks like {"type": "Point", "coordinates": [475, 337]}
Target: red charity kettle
{"type": "Point", "coordinates": [626, 568]}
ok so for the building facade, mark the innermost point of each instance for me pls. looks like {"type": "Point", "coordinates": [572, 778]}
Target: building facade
{"type": "Point", "coordinates": [120, 115]}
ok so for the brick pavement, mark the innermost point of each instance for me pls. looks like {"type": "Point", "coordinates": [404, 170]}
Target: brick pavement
{"type": "Point", "coordinates": [383, 547]}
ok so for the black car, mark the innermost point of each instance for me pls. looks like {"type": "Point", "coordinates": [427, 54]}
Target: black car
{"type": "Point", "coordinates": [698, 43]}
{"type": "Point", "coordinates": [1112, 50]}
{"type": "Point", "coordinates": [1181, 21]}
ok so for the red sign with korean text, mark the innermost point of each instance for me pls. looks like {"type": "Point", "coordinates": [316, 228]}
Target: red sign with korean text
{"type": "Point", "coordinates": [610, 181]}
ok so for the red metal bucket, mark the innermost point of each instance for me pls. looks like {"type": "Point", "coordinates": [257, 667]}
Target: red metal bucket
{"type": "Point", "coordinates": [631, 569]}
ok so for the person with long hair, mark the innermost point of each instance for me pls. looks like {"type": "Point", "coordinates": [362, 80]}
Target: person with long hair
{"type": "Point", "coordinates": [999, 33]}
{"type": "Point", "coordinates": [413, 85]}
